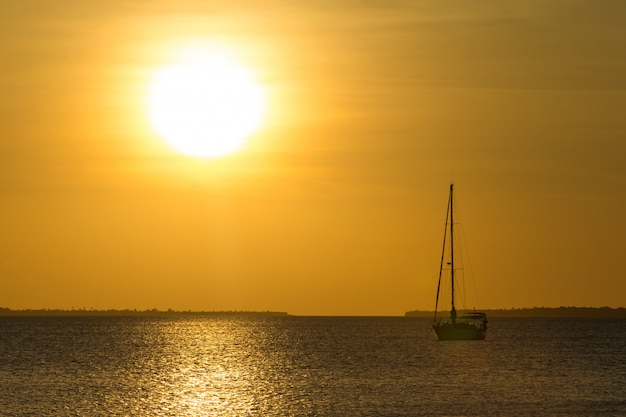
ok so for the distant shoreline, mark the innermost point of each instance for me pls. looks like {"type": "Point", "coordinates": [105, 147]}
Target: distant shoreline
{"type": "Point", "coordinates": [573, 312]}
{"type": "Point", "coordinates": [564, 312]}
{"type": "Point", "coordinates": [122, 313]}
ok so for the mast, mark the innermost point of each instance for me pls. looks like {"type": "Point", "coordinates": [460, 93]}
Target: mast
{"type": "Point", "coordinates": [453, 311]}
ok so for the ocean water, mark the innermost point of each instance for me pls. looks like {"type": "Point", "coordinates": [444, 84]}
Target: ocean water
{"type": "Point", "coordinates": [308, 366]}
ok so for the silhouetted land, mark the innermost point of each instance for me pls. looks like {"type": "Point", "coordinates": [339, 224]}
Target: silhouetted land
{"type": "Point", "coordinates": [576, 312]}
{"type": "Point", "coordinates": [153, 312]}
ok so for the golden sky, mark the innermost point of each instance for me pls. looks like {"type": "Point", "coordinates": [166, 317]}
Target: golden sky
{"type": "Point", "coordinates": [336, 205]}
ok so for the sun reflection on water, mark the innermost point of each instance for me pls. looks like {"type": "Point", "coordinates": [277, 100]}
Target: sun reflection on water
{"type": "Point", "coordinates": [202, 372]}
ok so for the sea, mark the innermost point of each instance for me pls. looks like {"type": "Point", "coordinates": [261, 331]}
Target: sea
{"type": "Point", "coordinates": [247, 365]}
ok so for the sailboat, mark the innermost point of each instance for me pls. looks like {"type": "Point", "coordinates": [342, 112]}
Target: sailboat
{"type": "Point", "coordinates": [471, 325]}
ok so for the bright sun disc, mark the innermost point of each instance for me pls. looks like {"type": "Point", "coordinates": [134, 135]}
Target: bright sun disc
{"type": "Point", "coordinates": [206, 106]}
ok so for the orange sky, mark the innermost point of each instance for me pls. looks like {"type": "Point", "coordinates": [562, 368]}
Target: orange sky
{"type": "Point", "coordinates": [336, 206]}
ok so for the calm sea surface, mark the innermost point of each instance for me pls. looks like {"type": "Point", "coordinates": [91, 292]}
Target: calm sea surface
{"type": "Point", "coordinates": [308, 366]}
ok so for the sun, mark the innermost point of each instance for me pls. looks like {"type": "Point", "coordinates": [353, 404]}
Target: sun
{"type": "Point", "coordinates": [206, 105]}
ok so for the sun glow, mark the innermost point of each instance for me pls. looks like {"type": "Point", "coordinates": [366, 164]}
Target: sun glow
{"type": "Point", "coordinates": [206, 105]}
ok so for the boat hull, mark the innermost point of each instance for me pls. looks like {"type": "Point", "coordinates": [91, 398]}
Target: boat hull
{"type": "Point", "coordinates": [459, 331]}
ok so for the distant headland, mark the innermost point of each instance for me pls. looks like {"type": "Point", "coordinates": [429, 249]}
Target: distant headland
{"type": "Point", "coordinates": [128, 312]}
{"type": "Point", "coordinates": [574, 312]}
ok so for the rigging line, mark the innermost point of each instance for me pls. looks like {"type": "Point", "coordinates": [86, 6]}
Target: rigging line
{"type": "Point", "coordinates": [465, 255]}
{"type": "Point", "coordinates": [453, 310]}
{"type": "Point", "coordinates": [443, 253]}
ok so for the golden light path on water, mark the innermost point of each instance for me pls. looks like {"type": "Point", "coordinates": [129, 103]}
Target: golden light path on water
{"type": "Point", "coordinates": [207, 369]}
